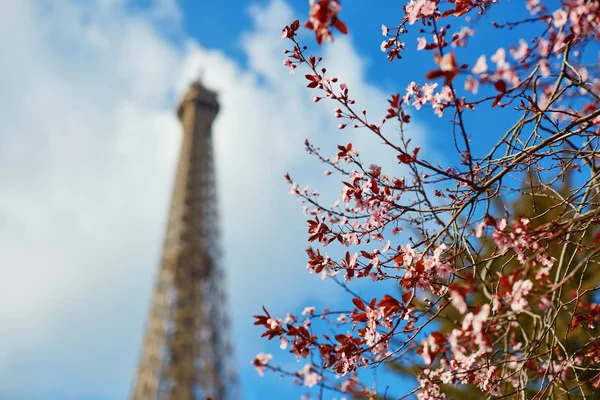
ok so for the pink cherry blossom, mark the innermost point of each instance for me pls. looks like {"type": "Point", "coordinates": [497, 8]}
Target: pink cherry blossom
{"type": "Point", "coordinates": [260, 361]}
{"type": "Point", "coordinates": [521, 289]}
{"type": "Point", "coordinates": [308, 311]}
{"type": "Point", "coordinates": [480, 66]}
{"type": "Point", "coordinates": [559, 18]}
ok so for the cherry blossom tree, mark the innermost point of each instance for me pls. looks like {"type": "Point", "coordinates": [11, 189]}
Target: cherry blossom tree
{"type": "Point", "coordinates": [565, 326]}
{"type": "Point", "coordinates": [497, 288]}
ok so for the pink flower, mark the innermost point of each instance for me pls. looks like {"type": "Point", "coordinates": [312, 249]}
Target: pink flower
{"type": "Point", "coordinates": [260, 361]}
{"type": "Point", "coordinates": [533, 6]}
{"type": "Point", "coordinates": [430, 347]}
{"type": "Point", "coordinates": [446, 94]}
{"type": "Point", "coordinates": [544, 48]}
{"type": "Point", "coordinates": [284, 343]}
{"type": "Point", "coordinates": [441, 100]}
{"type": "Point", "coordinates": [308, 311]}
{"type": "Point", "coordinates": [480, 319]}
{"type": "Point", "coordinates": [427, 91]}
{"type": "Point", "coordinates": [385, 45]}
{"type": "Point", "coordinates": [458, 301]}
{"type": "Point", "coordinates": [412, 10]}
{"type": "Point", "coordinates": [384, 30]}
{"type": "Point", "coordinates": [480, 66]}
{"type": "Point", "coordinates": [428, 389]}
{"type": "Point", "coordinates": [502, 225]}
{"type": "Point", "coordinates": [559, 18]}
{"type": "Point", "coordinates": [428, 8]}
{"type": "Point", "coordinates": [544, 68]}
{"type": "Point", "coordinates": [500, 59]}
{"type": "Point", "coordinates": [542, 272]}
{"type": "Point", "coordinates": [375, 261]}
{"type": "Point", "coordinates": [289, 318]}
{"type": "Point", "coordinates": [386, 247]}
{"type": "Point", "coordinates": [421, 43]}
{"type": "Point", "coordinates": [411, 90]}
{"type": "Point", "coordinates": [479, 230]}
{"type": "Point", "coordinates": [460, 39]}
{"type": "Point", "coordinates": [288, 63]}
{"type": "Point", "coordinates": [447, 62]}
{"type": "Point", "coordinates": [521, 51]}
{"type": "Point", "coordinates": [544, 304]}
{"type": "Point", "coordinates": [310, 378]}
{"type": "Point", "coordinates": [373, 316]}
{"type": "Point", "coordinates": [521, 288]}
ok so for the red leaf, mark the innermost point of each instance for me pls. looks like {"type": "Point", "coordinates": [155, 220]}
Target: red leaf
{"type": "Point", "coordinates": [374, 187]}
{"type": "Point", "coordinates": [577, 319]}
{"type": "Point", "coordinates": [373, 302]}
{"type": "Point", "coordinates": [359, 304]}
{"type": "Point", "coordinates": [434, 73]}
{"type": "Point", "coordinates": [500, 86]}
{"type": "Point", "coordinates": [490, 221]}
{"type": "Point", "coordinates": [341, 338]}
{"type": "Point", "coordinates": [448, 12]}
{"type": "Point", "coordinates": [339, 25]}
{"type": "Point", "coordinates": [389, 304]}
{"type": "Point", "coordinates": [399, 259]}
{"type": "Point", "coordinates": [405, 158]}
{"type": "Point", "coordinates": [358, 317]}
{"type": "Point", "coordinates": [395, 101]}
{"type": "Point", "coordinates": [388, 300]}
{"type": "Point", "coordinates": [497, 99]}
{"type": "Point", "coordinates": [406, 297]}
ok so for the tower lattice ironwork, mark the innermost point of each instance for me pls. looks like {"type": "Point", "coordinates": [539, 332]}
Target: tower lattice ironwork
{"type": "Point", "coordinates": [186, 351]}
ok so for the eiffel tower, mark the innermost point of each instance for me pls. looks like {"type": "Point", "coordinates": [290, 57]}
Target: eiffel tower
{"type": "Point", "coordinates": [186, 353]}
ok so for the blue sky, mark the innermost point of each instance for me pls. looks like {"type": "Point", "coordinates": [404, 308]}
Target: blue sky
{"type": "Point", "coordinates": [87, 156]}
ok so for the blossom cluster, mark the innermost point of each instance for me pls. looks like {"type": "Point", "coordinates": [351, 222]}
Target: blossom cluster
{"type": "Point", "coordinates": [492, 306]}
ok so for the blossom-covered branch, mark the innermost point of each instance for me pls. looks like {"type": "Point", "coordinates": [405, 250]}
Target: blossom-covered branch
{"type": "Point", "coordinates": [498, 287]}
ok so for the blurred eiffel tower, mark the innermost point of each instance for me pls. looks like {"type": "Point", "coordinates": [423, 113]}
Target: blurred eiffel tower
{"type": "Point", "coordinates": [186, 352]}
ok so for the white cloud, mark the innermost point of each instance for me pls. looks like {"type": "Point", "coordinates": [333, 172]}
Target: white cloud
{"type": "Point", "coordinates": [87, 151]}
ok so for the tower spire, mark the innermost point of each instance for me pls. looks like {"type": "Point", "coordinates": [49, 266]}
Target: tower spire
{"type": "Point", "coordinates": [186, 351]}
